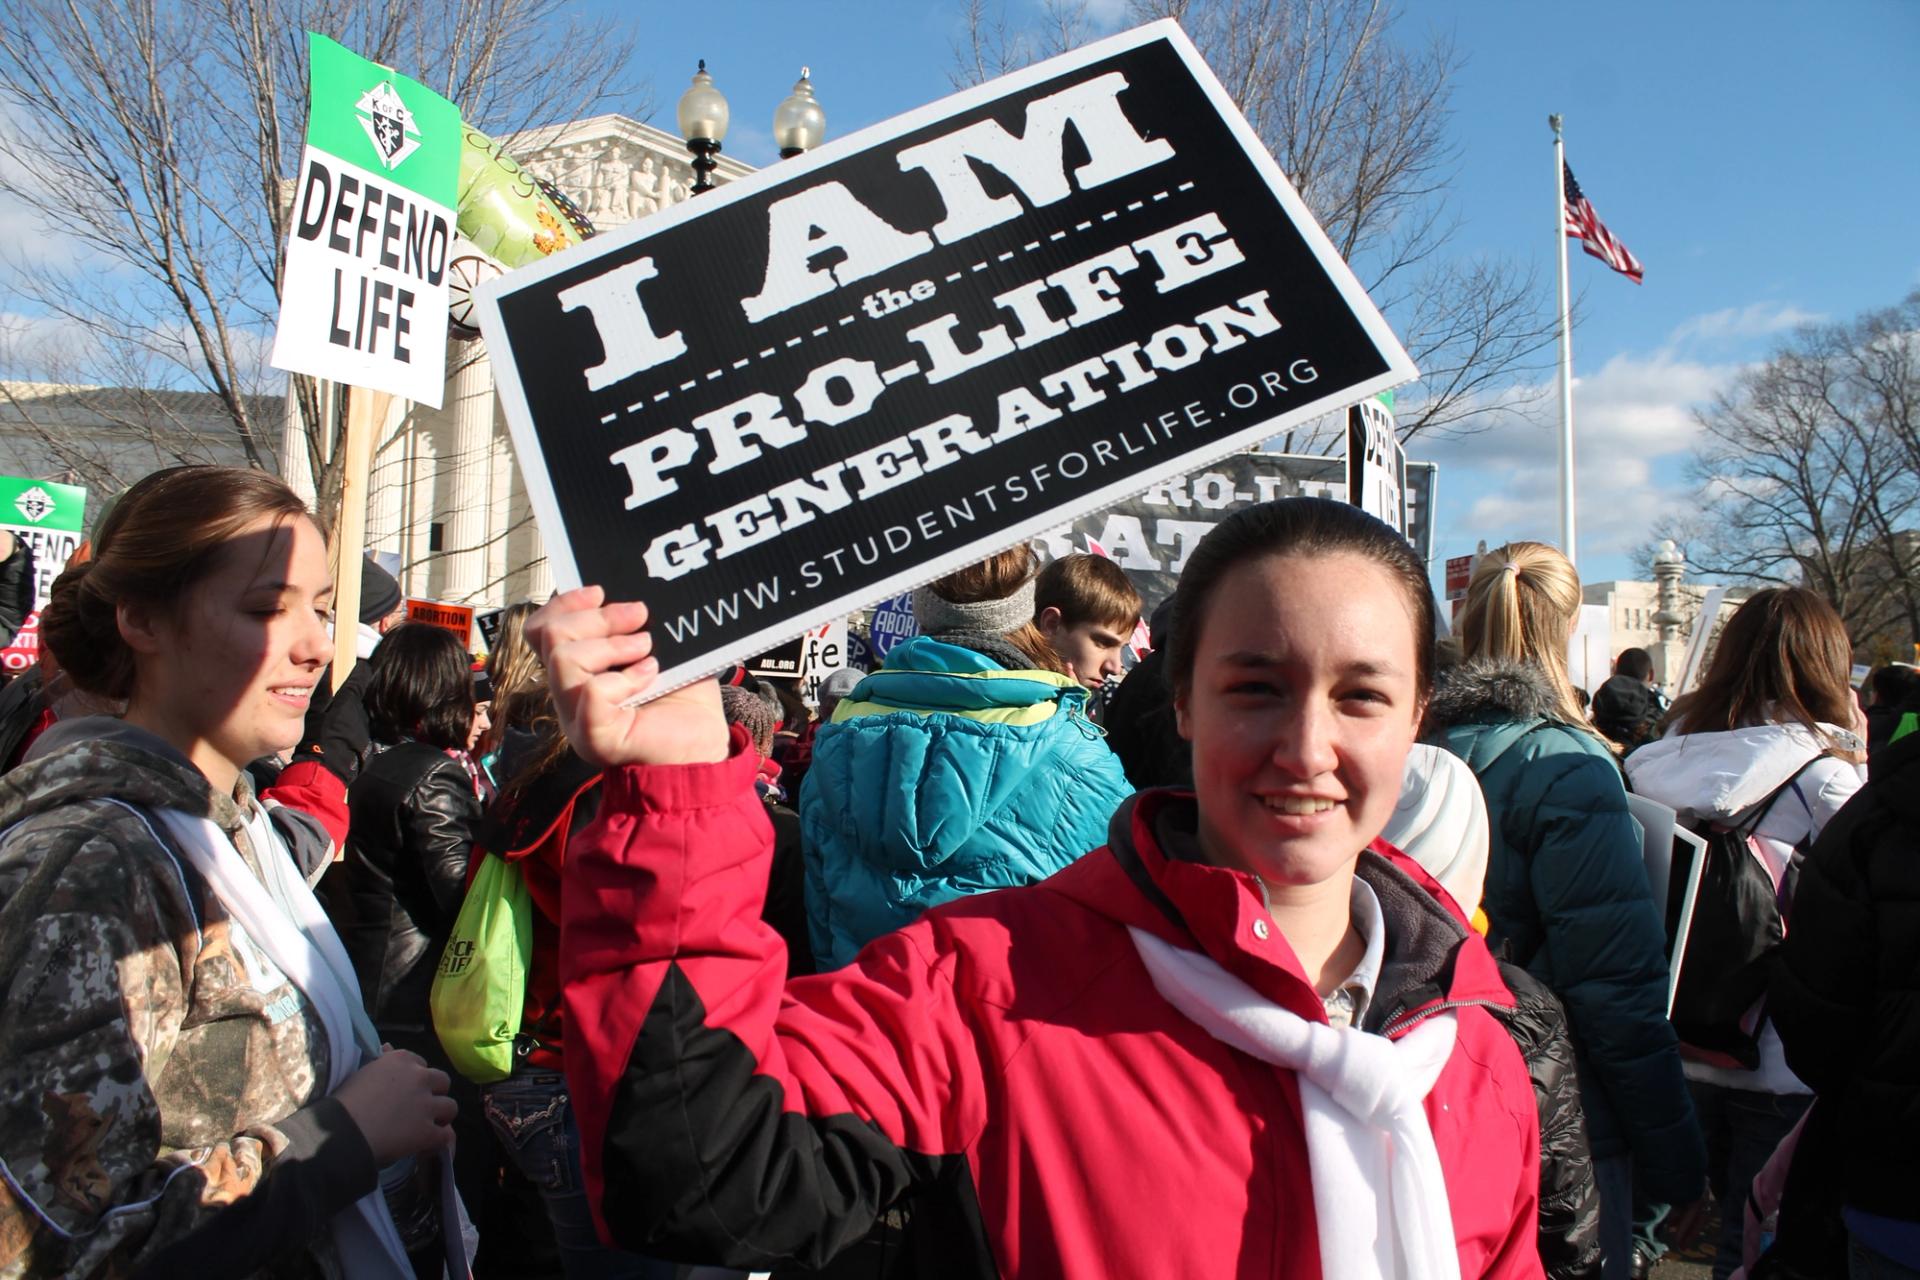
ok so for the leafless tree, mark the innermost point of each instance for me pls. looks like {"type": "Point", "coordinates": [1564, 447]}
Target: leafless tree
{"type": "Point", "coordinates": [151, 142]}
{"type": "Point", "coordinates": [1809, 473]}
{"type": "Point", "coordinates": [1357, 119]}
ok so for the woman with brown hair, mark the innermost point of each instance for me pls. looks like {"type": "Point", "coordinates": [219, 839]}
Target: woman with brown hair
{"type": "Point", "coordinates": [1770, 743]}
{"type": "Point", "coordinates": [1566, 890]}
{"type": "Point", "coordinates": [188, 1083]}
{"type": "Point", "coordinates": [967, 763]}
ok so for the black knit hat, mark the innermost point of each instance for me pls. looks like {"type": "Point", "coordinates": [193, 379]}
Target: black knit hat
{"type": "Point", "coordinates": [379, 593]}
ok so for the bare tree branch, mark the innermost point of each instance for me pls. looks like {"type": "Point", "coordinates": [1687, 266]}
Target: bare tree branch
{"type": "Point", "coordinates": [1807, 474]}
{"type": "Point", "coordinates": [1358, 120]}
{"type": "Point", "coordinates": [152, 141]}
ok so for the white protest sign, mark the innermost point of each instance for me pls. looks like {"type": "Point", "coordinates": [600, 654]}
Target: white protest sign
{"type": "Point", "coordinates": [363, 299]}
{"type": "Point", "coordinates": [1376, 464]}
{"type": "Point", "coordinates": [1590, 647]}
{"type": "Point", "coordinates": [823, 650]}
{"type": "Point", "coordinates": [861, 369]}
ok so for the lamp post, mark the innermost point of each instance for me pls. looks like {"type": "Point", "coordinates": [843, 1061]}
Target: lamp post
{"type": "Point", "coordinates": [799, 123]}
{"type": "Point", "coordinates": [703, 123]}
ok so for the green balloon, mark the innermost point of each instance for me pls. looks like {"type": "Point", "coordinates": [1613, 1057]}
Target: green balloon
{"type": "Point", "coordinates": [508, 213]}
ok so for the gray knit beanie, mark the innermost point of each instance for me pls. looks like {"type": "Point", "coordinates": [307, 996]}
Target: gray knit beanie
{"type": "Point", "coordinates": [745, 707]}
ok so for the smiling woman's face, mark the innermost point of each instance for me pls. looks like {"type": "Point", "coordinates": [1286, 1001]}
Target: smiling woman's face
{"type": "Point", "coordinates": [1302, 705]}
{"type": "Point", "coordinates": [230, 669]}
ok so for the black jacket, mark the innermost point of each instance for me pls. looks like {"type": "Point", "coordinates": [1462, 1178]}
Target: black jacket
{"type": "Point", "coordinates": [412, 820]}
{"type": "Point", "coordinates": [1569, 1196]}
{"type": "Point", "coordinates": [23, 701]}
{"type": "Point", "coordinates": [1845, 996]}
{"type": "Point", "coordinates": [16, 589]}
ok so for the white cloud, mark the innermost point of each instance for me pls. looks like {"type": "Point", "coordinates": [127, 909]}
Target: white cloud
{"type": "Point", "coordinates": [1633, 425]}
{"type": "Point", "coordinates": [1733, 324]}
{"type": "Point", "coordinates": [1107, 15]}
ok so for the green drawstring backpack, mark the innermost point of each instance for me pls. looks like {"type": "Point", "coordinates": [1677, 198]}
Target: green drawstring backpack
{"type": "Point", "coordinates": [480, 987]}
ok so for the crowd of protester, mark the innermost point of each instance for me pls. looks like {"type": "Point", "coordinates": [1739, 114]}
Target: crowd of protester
{"type": "Point", "coordinates": [1293, 943]}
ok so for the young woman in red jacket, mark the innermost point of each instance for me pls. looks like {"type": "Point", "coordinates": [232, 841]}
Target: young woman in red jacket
{"type": "Point", "coordinates": [1242, 1040]}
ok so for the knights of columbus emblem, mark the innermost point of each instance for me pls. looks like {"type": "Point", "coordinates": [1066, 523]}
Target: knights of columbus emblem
{"type": "Point", "coordinates": [35, 504]}
{"type": "Point", "coordinates": [388, 123]}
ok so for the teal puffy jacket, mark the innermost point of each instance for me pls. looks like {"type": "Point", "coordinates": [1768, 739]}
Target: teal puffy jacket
{"type": "Point", "coordinates": [943, 775]}
{"type": "Point", "coordinates": [1567, 896]}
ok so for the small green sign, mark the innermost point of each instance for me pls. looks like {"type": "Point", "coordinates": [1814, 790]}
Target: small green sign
{"type": "Point", "coordinates": [41, 504]}
{"type": "Point", "coordinates": [382, 122]}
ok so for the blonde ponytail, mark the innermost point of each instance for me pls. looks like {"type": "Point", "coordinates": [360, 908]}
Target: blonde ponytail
{"type": "Point", "coordinates": [1521, 605]}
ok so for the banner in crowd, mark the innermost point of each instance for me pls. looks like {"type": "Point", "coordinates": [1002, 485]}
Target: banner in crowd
{"type": "Point", "coordinates": [1459, 573]}
{"type": "Point", "coordinates": [457, 618]}
{"type": "Point", "coordinates": [893, 622]}
{"type": "Point", "coordinates": [807, 658]}
{"type": "Point", "coordinates": [50, 518]}
{"type": "Point", "coordinates": [863, 368]}
{"type": "Point", "coordinates": [489, 624]}
{"type": "Point", "coordinates": [1152, 534]}
{"type": "Point", "coordinates": [1376, 464]}
{"type": "Point", "coordinates": [363, 299]}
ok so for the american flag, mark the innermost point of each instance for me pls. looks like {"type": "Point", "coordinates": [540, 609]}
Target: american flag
{"type": "Point", "coordinates": [1584, 225]}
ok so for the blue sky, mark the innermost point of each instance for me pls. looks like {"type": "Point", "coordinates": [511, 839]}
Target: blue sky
{"type": "Point", "coordinates": [1755, 156]}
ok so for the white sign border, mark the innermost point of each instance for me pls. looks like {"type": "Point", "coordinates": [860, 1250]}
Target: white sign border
{"type": "Point", "coordinates": [539, 483]}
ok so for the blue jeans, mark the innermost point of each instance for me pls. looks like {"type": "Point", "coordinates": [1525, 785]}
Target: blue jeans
{"type": "Point", "coordinates": [1743, 1128]}
{"type": "Point", "coordinates": [1613, 1175]}
{"type": "Point", "coordinates": [534, 1121]}
{"type": "Point", "coordinates": [1865, 1264]}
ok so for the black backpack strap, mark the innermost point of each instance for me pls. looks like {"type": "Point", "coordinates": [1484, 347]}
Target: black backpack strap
{"type": "Point", "coordinates": [1747, 826]}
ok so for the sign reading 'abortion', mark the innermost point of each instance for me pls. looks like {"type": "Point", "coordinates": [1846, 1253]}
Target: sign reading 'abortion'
{"type": "Point", "coordinates": [853, 372]}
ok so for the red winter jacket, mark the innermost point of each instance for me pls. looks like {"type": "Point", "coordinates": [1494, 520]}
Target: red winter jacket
{"type": "Point", "coordinates": [1009, 1048]}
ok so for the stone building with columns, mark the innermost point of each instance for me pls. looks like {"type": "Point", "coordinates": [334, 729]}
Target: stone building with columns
{"type": "Point", "coordinates": [1660, 616]}
{"type": "Point", "coordinates": [444, 495]}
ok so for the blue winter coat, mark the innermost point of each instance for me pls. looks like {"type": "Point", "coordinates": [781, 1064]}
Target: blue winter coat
{"type": "Point", "coordinates": [943, 775]}
{"type": "Point", "coordinates": [1567, 895]}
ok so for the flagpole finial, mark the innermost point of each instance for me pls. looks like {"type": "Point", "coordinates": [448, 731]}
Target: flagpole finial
{"type": "Point", "coordinates": [1555, 121]}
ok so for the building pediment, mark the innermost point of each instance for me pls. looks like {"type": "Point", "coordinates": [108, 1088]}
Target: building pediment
{"type": "Point", "coordinates": [615, 168]}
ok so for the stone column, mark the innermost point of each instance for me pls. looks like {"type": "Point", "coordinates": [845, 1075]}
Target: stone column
{"type": "Point", "coordinates": [420, 455]}
{"type": "Point", "coordinates": [500, 565]}
{"type": "Point", "coordinates": [465, 498]}
{"type": "Point", "coordinates": [539, 574]}
{"type": "Point", "coordinates": [1670, 651]}
{"type": "Point", "coordinates": [387, 484]}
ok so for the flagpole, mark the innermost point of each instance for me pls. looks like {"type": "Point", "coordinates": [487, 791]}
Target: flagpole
{"type": "Point", "coordinates": [1566, 345]}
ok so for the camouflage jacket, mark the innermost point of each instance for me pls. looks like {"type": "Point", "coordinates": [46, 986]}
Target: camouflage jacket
{"type": "Point", "coordinates": [161, 1082]}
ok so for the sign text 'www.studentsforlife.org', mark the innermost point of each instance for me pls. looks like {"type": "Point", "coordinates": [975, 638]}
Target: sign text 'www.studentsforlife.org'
{"type": "Point", "coordinates": [852, 373]}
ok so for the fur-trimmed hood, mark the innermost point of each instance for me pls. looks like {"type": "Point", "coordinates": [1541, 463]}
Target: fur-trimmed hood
{"type": "Point", "coordinates": [1491, 689]}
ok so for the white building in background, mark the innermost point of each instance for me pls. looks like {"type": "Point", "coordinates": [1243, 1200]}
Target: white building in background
{"type": "Point", "coordinates": [445, 496]}
{"type": "Point", "coordinates": [1631, 606]}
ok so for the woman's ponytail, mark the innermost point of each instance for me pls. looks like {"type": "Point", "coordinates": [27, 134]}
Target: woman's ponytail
{"type": "Point", "coordinates": [1521, 605]}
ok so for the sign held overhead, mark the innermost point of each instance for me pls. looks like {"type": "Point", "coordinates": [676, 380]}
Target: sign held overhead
{"type": "Point", "coordinates": [854, 372]}
{"type": "Point", "coordinates": [363, 299]}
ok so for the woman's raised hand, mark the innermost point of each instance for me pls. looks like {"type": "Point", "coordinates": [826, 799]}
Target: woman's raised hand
{"type": "Point", "coordinates": [599, 658]}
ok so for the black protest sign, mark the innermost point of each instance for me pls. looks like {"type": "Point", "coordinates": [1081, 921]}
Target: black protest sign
{"type": "Point", "coordinates": [856, 371]}
{"type": "Point", "coordinates": [1151, 534]}
{"type": "Point", "coordinates": [489, 624]}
